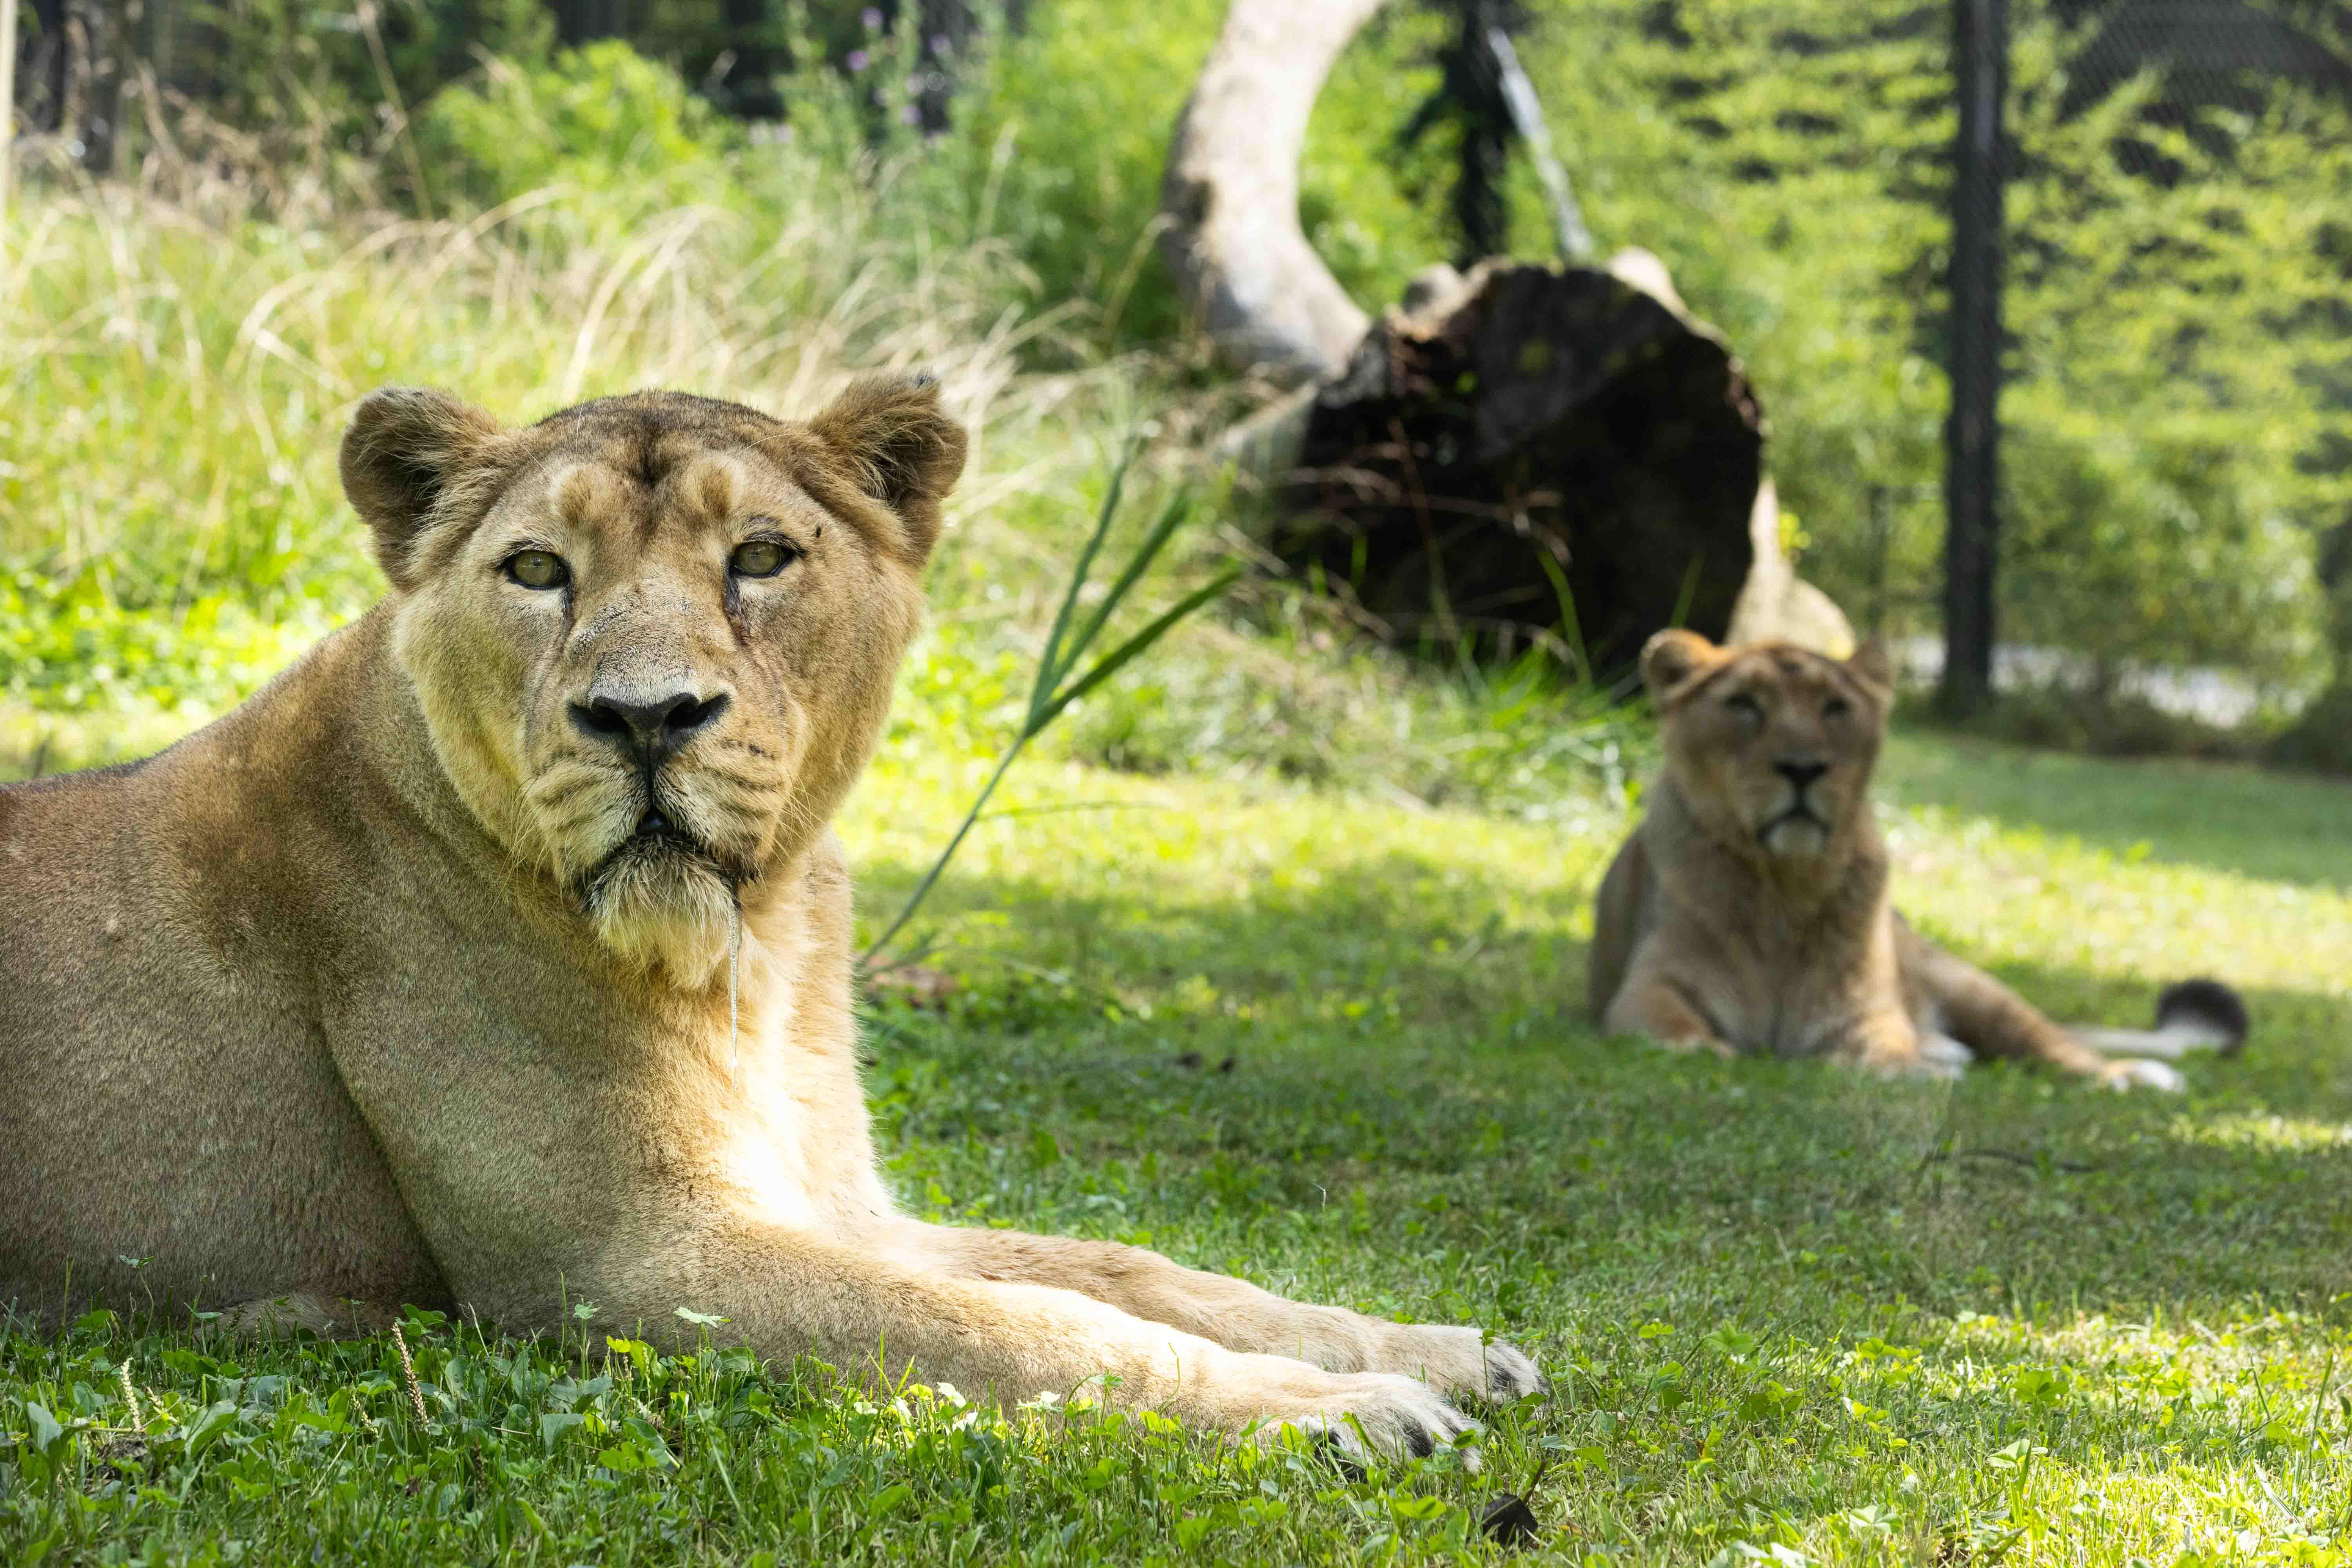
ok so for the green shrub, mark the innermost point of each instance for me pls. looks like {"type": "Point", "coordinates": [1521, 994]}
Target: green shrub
{"type": "Point", "coordinates": [2168, 392]}
{"type": "Point", "coordinates": [603, 118]}
{"type": "Point", "coordinates": [73, 648]}
{"type": "Point", "coordinates": [2320, 741]}
{"type": "Point", "coordinates": [263, 66]}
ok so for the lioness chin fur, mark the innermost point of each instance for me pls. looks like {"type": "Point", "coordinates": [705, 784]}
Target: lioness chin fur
{"type": "Point", "coordinates": [1749, 910]}
{"type": "Point", "coordinates": [409, 979]}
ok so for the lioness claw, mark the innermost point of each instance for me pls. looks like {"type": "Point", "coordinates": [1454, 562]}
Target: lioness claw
{"type": "Point", "coordinates": [1373, 1416]}
{"type": "Point", "coordinates": [2142, 1074]}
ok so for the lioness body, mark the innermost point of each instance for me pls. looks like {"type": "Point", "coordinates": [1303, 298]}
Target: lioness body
{"type": "Point", "coordinates": [410, 981]}
{"type": "Point", "coordinates": [1749, 911]}
{"type": "Point", "coordinates": [134, 1006]}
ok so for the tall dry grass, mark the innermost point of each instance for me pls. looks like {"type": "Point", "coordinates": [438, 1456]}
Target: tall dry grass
{"type": "Point", "coordinates": [176, 371]}
{"type": "Point", "coordinates": [179, 352]}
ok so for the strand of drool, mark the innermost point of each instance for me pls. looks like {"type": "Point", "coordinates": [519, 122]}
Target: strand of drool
{"type": "Point", "coordinates": [734, 956]}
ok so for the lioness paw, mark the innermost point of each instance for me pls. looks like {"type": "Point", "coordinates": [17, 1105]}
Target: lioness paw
{"type": "Point", "coordinates": [2143, 1074]}
{"type": "Point", "coordinates": [1461, 1363]}
{"type": "Point", "coordinates": [1946, 1057]}
{"type": "Point", "coordinates": [1917, 1066]}
{"type": "Point", "coordinates": [1371, 1416]}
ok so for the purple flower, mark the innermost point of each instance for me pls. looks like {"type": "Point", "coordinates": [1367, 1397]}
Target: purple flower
{"type": "Point", "coordinates": [858, 59]}
{"type": "Point", "coordinates": [872, 18]}
{"type": "Point", "coordinates": [939, 45]}
{"type": "Point", "coordinates": [910, 115]}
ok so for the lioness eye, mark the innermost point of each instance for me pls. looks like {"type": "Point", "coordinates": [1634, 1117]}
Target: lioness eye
{"type": "Point", "coordinates": [760, 558]}
{"type": "Point", "coordinates": [1746, 707]}
{"type": "Point", "coordinates": [1836, 708]}
{"type": "Point", "coordinates": [538, 568]}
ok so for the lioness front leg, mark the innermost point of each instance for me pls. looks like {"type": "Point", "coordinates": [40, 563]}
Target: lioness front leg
{"type": "Point", "coordinates": [1889, 1043]}
{"type": "Point", "coordinates": [882, 1318]}
{"type": "Point", "coordinates": [1458, 1362]}
{"type": "Point", "coordinates": [1653, 1005]}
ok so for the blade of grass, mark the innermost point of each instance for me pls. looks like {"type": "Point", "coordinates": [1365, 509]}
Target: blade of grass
{"type": "Point", "coordinates": [1109, 664]}
{"type": "Point", "coordinates": [1571, 628]}
{"type": "Point", "coordinates": [1049, 671]}
{"type": "Point", "coordinates": [931, 878]}
{"type": "Point", "coordinates": [1135, 645]}
{"type": "Point", "coordinates": [1171, 517]}
{"type": "Point", "coordinates": [1064, 649]}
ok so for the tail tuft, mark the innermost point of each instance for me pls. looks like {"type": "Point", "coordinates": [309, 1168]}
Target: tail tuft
{"type": "Point", "coordinates": [2204, 1008]}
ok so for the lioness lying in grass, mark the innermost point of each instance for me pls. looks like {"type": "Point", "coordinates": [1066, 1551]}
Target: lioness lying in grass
{"type": "Point", "coordinates": [500, 948]}
{"type": "Point", "coordinates": [1749, 910]}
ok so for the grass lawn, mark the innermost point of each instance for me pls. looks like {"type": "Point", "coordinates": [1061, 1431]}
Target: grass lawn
{"type": "Point", "coordinates": [1790, 1316]}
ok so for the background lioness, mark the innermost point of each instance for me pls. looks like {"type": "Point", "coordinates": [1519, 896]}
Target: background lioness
{"type": "Point", "coordinates": [411, 979]}
{"type": "Point", "coordinates": [1749, 912]}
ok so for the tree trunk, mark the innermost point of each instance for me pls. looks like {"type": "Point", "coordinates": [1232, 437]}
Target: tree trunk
{"type": "Point", "coordinates": [1972, 433]}
{"type": "Point", "coordinates": [579, 22]}
{"type": "Point", "coordinates": [2321, 736]}
{"type": "Point", "coordinates": [1230, 199]}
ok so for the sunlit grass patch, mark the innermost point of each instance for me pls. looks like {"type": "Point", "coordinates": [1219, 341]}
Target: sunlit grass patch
{"type": "Point", "coordinates": [2274, 1133]}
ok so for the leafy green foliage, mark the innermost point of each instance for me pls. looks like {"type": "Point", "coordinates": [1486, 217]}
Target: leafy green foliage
{"type": "Point", "coordinates": [76, 650]}
{"type": "Point", "coordinates": [326, 69]}
{"type": "Point", "coordinates": [1060, 140]}
{"type": "Point", "coordinates": [2175, 338]}
{"type": "Point", "coordinates": [596, 118]}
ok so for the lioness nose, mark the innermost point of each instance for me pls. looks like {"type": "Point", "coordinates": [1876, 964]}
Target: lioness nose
{"type": "Point", "coordinates": [650, 729]}
{"type": "Point", "coordinates": [1800, 775]}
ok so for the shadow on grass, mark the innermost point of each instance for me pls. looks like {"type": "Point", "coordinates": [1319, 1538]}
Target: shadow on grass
{"type": "Point", "coordinates": [1387, 1040]}
{"type": "Point", "coordinates": [1406, 938]}
{"type": "Point", "coordinates": [2223, 816]}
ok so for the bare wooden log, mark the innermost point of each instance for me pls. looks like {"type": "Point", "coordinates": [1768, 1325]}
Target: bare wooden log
{"type": "Point", "coordinates": [1229, 202]}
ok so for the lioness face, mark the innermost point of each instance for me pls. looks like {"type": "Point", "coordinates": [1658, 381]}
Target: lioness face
{"type": "Point", "coordinates": [653, 637]}
{"type": "Point", "coordinates": [1773, 745]}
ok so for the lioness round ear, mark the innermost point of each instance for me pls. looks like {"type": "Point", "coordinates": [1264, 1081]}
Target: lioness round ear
{"type": "Point", "coordinates": [1871, 662]}
{"type": "Point", "coordinates": [404, 446]}
{"type": "Point", "coordinates": [1671, 657]}
{"type": "Point", "coordinates": [901, 447]}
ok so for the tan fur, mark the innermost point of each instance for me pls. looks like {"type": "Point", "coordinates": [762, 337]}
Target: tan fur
{"type": "Point", "coordinates": [1749, 911]}
{"type": "Point", "coordinates": [389, 986]}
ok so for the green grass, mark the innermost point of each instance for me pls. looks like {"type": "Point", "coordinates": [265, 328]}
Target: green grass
{"type": "Point", "coordinates": [2284, 827]}
{"type": "Point", "coordinates": [1787, 1313]}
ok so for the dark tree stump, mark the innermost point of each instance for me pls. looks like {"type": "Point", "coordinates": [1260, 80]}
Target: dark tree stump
{"type": "Point", "coordinates": [1531, 414]}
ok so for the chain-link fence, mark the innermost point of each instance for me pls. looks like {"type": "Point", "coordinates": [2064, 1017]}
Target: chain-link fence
{"type": "Point", "coordinates": [2046, 301]}
{"type": "Point", "coordinates": [2164, 309]}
